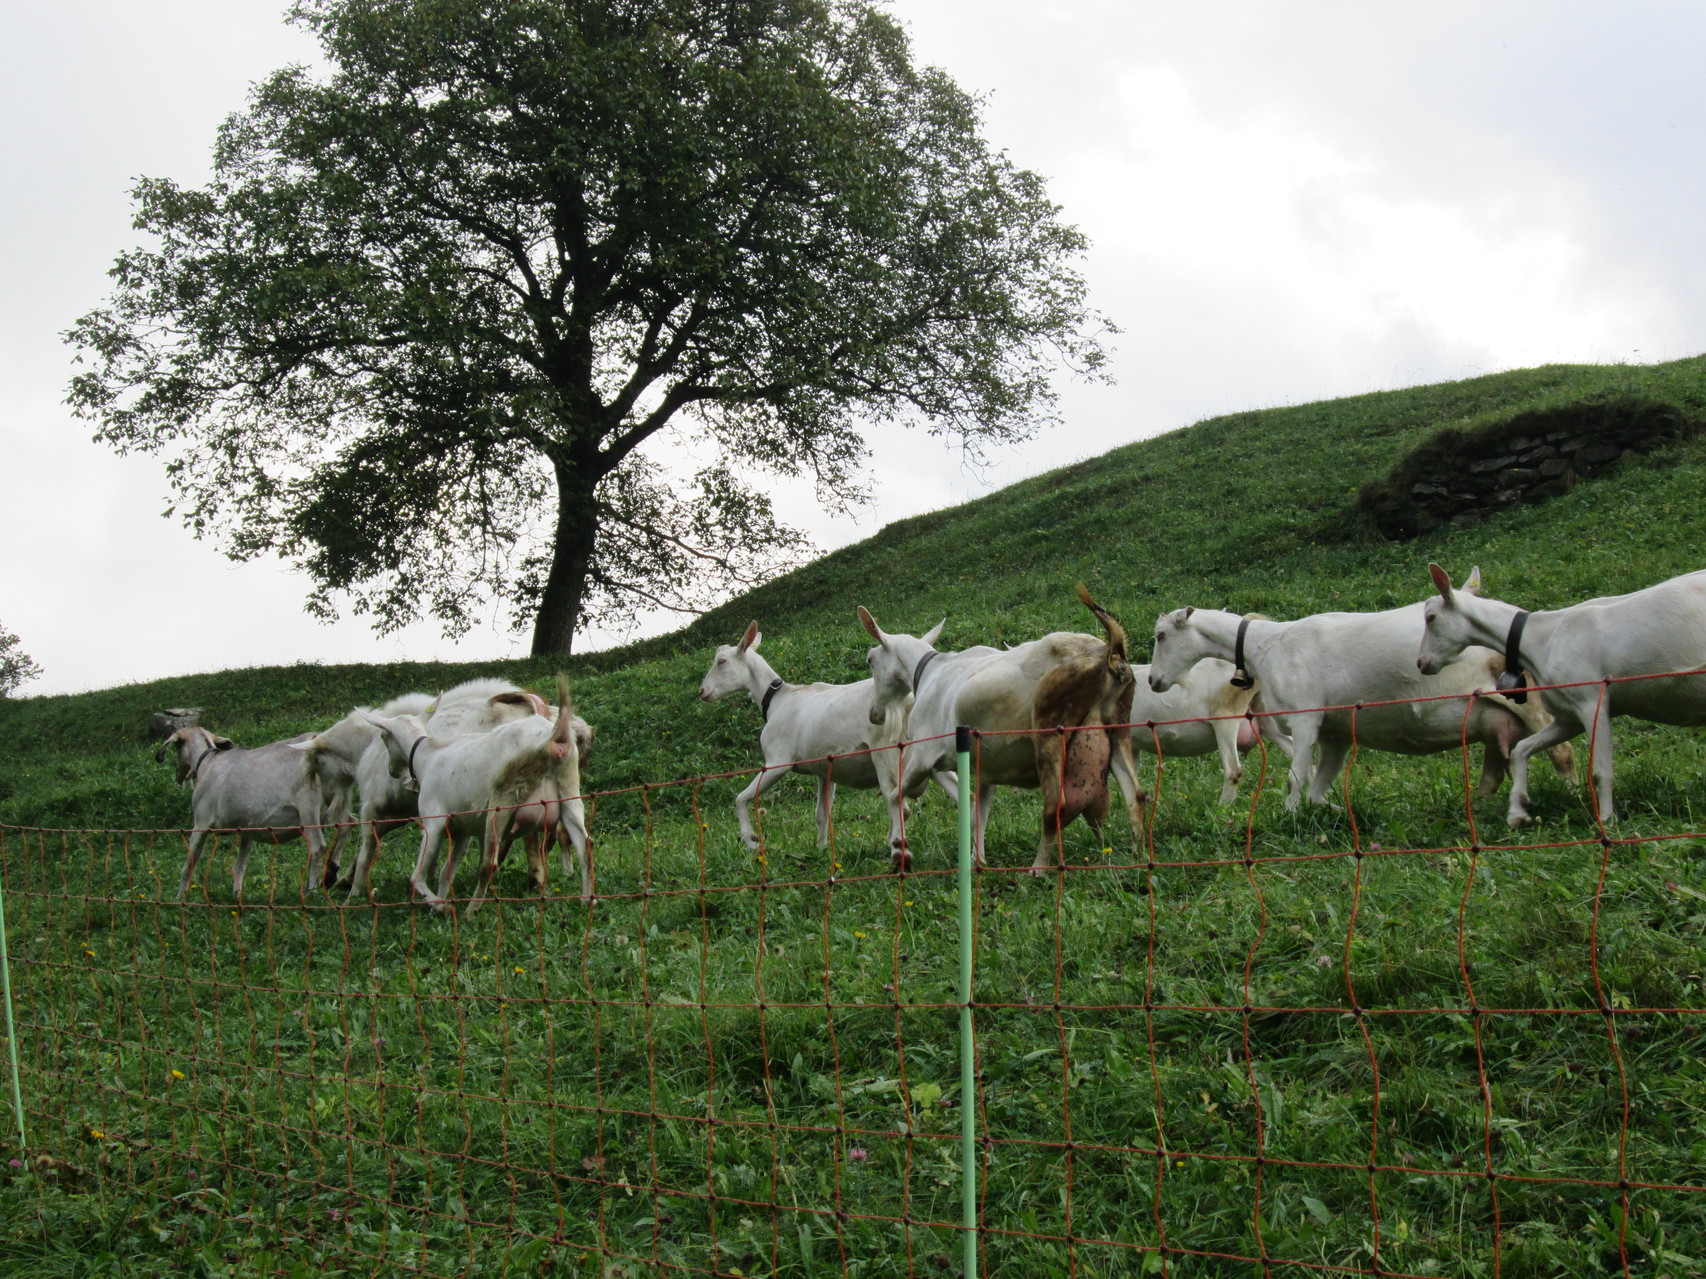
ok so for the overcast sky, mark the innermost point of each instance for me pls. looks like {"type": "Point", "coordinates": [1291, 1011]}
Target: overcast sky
{"type": "Point", "coordinates": [1286, 202]}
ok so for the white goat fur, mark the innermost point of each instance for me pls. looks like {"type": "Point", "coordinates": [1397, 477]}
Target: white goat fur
{"type": "Point", "coordinates": [821, 730]}
{"type": "Point", "coordinates": [1647, 632]}
{"type": "Point", "coordinates": [264, 793]}
{"type": "Point", "coordinates": [479, 784]}
{"type": "Point", "coordinates": [1338, 660]}
{"type": "Point", "coordinates": [1196, 716]}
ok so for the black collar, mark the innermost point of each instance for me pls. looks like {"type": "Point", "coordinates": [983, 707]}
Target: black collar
{"type": "Point", "coordinates": [1511, 683]}
{"type": "Point", "coordinates": [1239, 678]}
{"type": "Point", "coordinates": [764, 705]}
{"type": "Point", "coordinates": [195, 769]}
{"type": "Point", "coordinates": [414, 776]}
{"type": "Point", "coordinates": [918, 671]}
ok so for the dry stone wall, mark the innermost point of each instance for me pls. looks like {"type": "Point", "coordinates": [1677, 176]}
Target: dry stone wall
{"type": "Point", "coordinates": [1463, 477]}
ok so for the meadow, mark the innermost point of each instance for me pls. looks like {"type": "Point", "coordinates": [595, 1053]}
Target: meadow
{"type": "Point", "coordinates": [1248, 1034]}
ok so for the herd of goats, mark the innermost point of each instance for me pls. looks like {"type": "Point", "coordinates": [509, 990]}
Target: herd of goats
{"type": "Point", "coordinates": [493, 762]}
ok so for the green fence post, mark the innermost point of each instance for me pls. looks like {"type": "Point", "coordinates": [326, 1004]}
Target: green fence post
{"type": "Point", "coordinates": [968, 1056]}
{"type": "Point", "coordinates": [11, 1026]}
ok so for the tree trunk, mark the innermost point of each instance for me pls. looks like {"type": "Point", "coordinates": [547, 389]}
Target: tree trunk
{"type": "Point", "coordinates": [564, 598]}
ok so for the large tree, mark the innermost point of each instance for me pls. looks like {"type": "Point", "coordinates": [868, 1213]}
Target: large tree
{"type": "Point", "coordinates": [516, 298]}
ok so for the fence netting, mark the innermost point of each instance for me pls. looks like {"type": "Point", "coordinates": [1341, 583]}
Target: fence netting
{"type": "Point", "coordinates": [1387, 1038]}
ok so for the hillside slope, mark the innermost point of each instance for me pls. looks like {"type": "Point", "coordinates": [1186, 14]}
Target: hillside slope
{"type": "Point", "coordinates": [1254, 511]}
{"type": "Point", "coordinates": [464, 1094]}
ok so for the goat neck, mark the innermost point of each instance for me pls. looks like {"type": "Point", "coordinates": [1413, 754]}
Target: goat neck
{"type": "Point", "coordinates": [760, 676]}
{"type": "Point", "coordinates": [401, 736]}
{"type": "Point", "coordinates": [1204, 633]}
{"type": "Point", "coordinates": [1217, 632]}
{"type": "Point", "coordinates": [1451, 626]}
{"type": "Point", "coordinates": [911, 652]}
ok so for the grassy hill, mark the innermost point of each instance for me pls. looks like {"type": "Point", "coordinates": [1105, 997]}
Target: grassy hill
{"type": "Point", "coordinates": [1255, 511]}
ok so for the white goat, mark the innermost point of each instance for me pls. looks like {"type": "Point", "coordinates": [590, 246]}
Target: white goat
{"type": "Point", "coordinates": [479, 705]}
{"type": "Point", "coordinates": [480, 784]}
{"type": "Point", "coordinates": [1337, 660]}
{"type": "Point", "coordinates": [1063, 679]}
{"type": "Point", "coordinates": [387, 802]}
{"type": "Point", "coordinates": [264, 792]}
{"type": "Point", "coordinates": [1192, 718]}
{"type": "Point", "coordinates": [335, 760]}
{"type": "Point", "coordinates": [1592, 644]}
{"type": "Point", "coordinates": [821, 730]}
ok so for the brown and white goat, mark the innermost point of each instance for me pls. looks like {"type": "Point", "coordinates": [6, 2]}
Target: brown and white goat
{"type": "Point", "coordinates": [1063, 681]}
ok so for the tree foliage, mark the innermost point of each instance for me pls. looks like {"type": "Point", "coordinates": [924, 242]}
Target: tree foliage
{"type": "Point", "coordinates": [523, 298]}
{"type": "Point", "coordinates": [16, 667]}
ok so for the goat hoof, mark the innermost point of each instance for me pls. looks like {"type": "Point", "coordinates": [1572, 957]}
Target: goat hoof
{"type": "Point", "coordinates": [900, 859]}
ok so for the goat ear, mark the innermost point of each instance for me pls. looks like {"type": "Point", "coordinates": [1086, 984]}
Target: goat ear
{"type": "Point", "coordinates": [160, 755]}
{"type": "Point", "coordinates": [1442, 580]}
{"type": "Point", "coordinates": [871, 627]}
{"type": "Point", "coordinates": [1472, 583]}
{"type": "Point", "coordinates": [930, 636]}
{"type": "Point", "coordinates": [223, 744]}
{"type": "Point", "coordinates": [750, 638]}
{"type": "Point", "coordinates": [308, 745]}
{"type": "Point", "coordinates": [1183, 616]}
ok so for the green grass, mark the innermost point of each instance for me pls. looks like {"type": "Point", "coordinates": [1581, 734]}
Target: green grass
{"type": "Point", "coordinates": [377, 1089]}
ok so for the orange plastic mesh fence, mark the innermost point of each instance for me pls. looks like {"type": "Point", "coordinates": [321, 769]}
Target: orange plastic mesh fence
{"type": "Point", "coordinates": [1239, 1041]}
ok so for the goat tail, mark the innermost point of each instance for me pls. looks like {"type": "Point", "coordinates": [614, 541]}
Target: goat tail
{"type": "Point", "coordinates": [565, 746]}
{"type": "Point", "coordinates": [1118, 644]}
{"type": "Point", "coordinates": [563, 733]}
